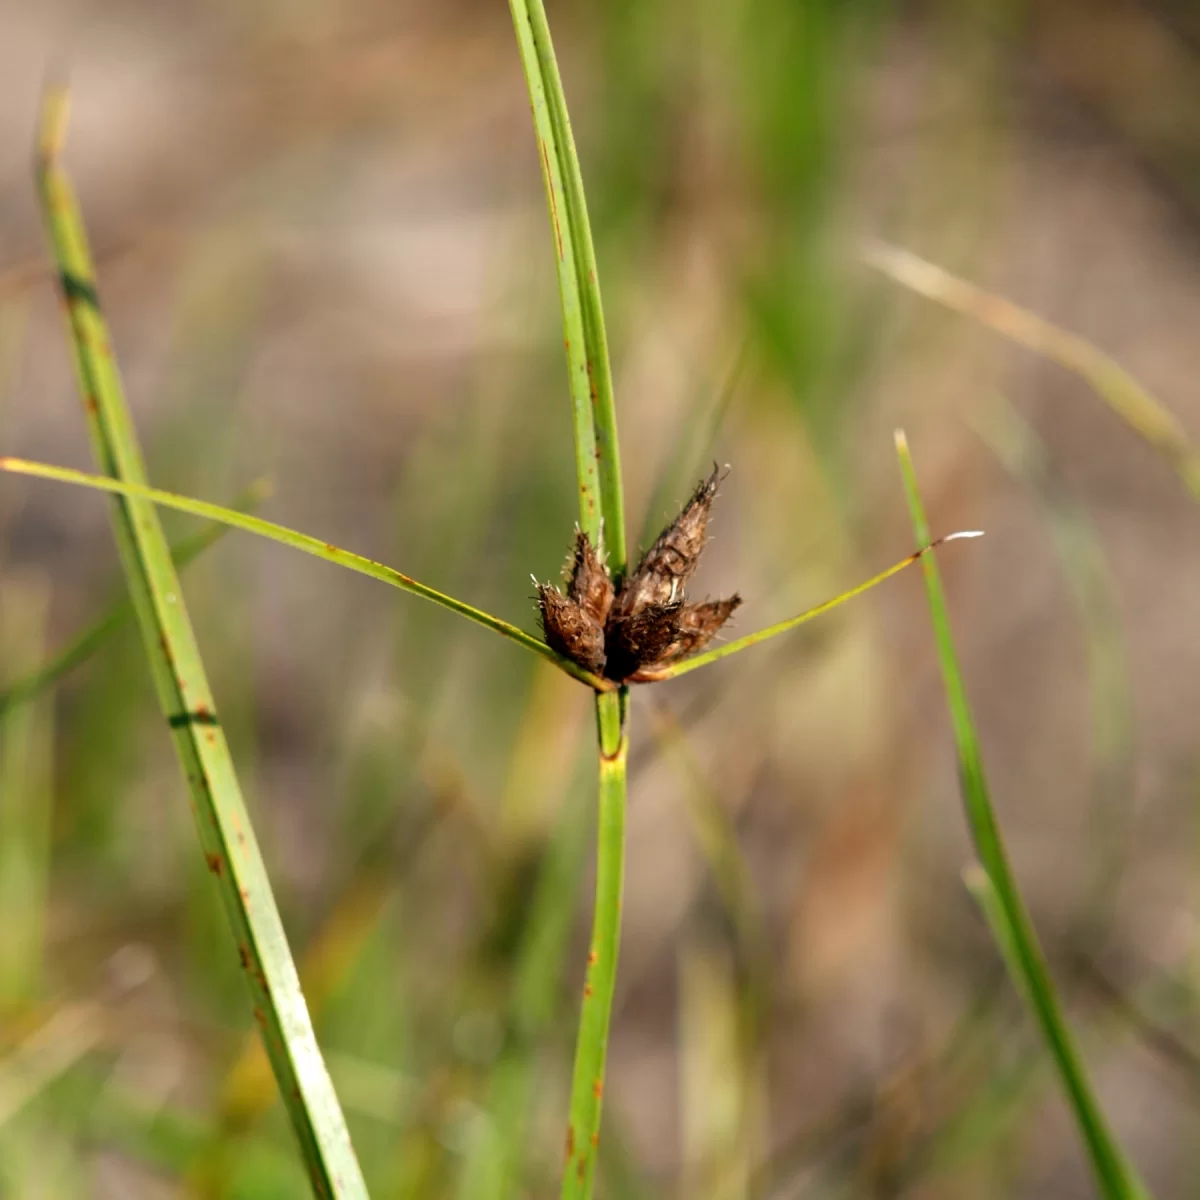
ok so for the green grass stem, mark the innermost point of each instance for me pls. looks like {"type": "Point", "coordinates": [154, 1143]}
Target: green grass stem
{"type": "Point", "coordinates": [1017, 939]}
{"type": "Point", "coordinates": [762, 635]}
{"type": "Point", "coordinates": [226, 834]}
{"type": "Point", "coordinates": [306, 544]}
{"type": "Point", "coordinates": [597, 450]}
{"type": "Point", "coordinates": [602, 517]}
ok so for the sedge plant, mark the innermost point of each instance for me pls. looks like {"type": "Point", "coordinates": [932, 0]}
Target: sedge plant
{"type": "Point", "coordinates": [224, 826]}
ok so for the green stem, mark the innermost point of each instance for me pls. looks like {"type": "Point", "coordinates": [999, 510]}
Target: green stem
{"type": "Point", "coordinates": [1017, 938]}
{"type": "Point", "coordinates": [225, 832]}
{"type": "Point", "coordinates": [309, 545]}
{"type": "Point", "coordinates": [761, 635]}
{"type": "Point", "coordinates": [591, 1050]}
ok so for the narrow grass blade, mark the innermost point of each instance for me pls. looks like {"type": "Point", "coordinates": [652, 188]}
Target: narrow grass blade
{"type": "Point", "coordinates": [492, 1169]}
{"type": "Point", "coordinates": [591, 1048]}
{"type": "Point", "coordinates": [1115, 386]}
{"type": "Point", "coordinates": [33, 683]}
{"type": "Point", "coordinates": [1114, 1176]}
{"type": "Point", "coordinates": [597, 451]}
{"type": "Point", "coordinates": [762, 635]}
{"type": "Point", "coordinates": [1085, 567]}
{"type": "Point", "coordinates": [602, 517]}
{"type": "Point", "coordinates": [307, 544]}
{"type": "Point", "coordinates": [226, 834]}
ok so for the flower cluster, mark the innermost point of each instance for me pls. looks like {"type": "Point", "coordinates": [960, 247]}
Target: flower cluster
{"type": "Point", "coordinates": [631, 633]}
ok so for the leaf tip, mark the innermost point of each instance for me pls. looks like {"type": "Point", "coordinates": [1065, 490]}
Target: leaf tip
{"type": "Point", "coordinates": [963, 533]}
{"type": "Point", "coordinates": [56, 109]}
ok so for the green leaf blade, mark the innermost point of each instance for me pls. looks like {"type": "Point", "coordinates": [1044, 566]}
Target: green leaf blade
{"type": "Point", "coordinates": [307, 545]}
{"type": "Point", "coordinates": [1005, 910]}
{"type": "Point", "coordinates": [226, 834]}
{"type": "Point", "coordinates": [597, 448]}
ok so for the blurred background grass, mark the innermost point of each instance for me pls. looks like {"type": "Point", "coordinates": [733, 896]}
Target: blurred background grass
{"type": "Point", "coordinates": [321, 238]}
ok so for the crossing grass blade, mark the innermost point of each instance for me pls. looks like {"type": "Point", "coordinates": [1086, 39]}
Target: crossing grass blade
{"type": "Point", "coordinates": [1005, 910]}
{"type": "Point", "coordinates": [43, 677]}
{"type": "Point", "coordinates": [602, 517]}
{"type": "Point", "coordinates": [762, 635]}
{"type": "Point", "coordinates": [226, 835]}
{"type": "Point", "coordinates": [307, 544]}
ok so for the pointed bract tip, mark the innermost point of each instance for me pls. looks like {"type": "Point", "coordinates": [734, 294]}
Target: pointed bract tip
{"type": "Point", "coordinates": [963, 533]}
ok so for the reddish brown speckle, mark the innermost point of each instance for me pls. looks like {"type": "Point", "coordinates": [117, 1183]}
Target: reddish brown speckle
{"type": "Point", "coordinates": [331, 548]}
{"type": "Point", "coordinates": [245, 892]}
{"type": "Point", "coordinates": [592, 957]}
{"type": "Point", "coordinates": [587, 991]}
{"type": "Point", "coordinates": [581, 1171]}
{"type": "Point", "coordinates": [598, 1088]}
{"type": "Point", "coordinates": [215, 864]}
{"type": "Point", "coordinates": [244, 955]}
{"type": "Point", "coordinates": [260, 1016]}
{"type": "Point", "coordinates": [93, 405]}
{"type": "Point", "coordinates": [595, 1140]}
{"type": "Point", "coordinates": [570, 1141]}
{"type": "Point", "coordinates": [210, 738]}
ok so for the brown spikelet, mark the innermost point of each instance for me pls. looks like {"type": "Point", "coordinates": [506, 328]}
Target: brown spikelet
{"type": "Point", "coordinates": [639, 638]}
{"type": "Point", "coordinates": [634, 635]}
{"type": "Point", "coordinates": [589, 585]}
{"type": "Point", "coordinates": [662, 575]}
{"type": "Point", "coordinates": [570, 629]}
{"type": "Point", "coordinates": [695, 625]}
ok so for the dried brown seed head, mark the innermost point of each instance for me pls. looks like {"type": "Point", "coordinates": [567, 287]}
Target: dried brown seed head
{"type": "Point", "coordinates": [662, 575]}
{"type": "Point", "coordinates": [695, 627]}
{"type": "Point", "coordinates": [589, 585]}
{"type": "Point", "coordinates": [570, 630]}
{"type": "Point", "coordinates": [634, 635]}
{"type": "Point", "coordinates": [634, 639]}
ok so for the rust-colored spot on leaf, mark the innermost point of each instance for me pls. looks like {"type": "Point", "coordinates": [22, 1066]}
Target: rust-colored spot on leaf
{"type": "Point", "coordinates": [592, 382]}
{"type": "Point", "coordinates": [570, 1141]}
{"type": "Point", "coordinates": [581, 1170]}
{"type": "Point", "coordinates": [598, 1088]}
{"type": "Point", "coordinates": [260, 1016]}
{"type": "Point", "coordinates": [592, 958]}
{"type": "Point", "coordinates": [245, 894]}
{"type": "Point", "coordinates": [331, 548]}
{"type": "Point", "coordinates": [587, 991]}
{"type": "Point", "coordinates": [216, 864]}
{"type": "Point", "coordinates": [244, 955]}
{"type": "Point", "coordinates": [595, 1140]}
{"type": "Point", "coordinates": [92, 404]}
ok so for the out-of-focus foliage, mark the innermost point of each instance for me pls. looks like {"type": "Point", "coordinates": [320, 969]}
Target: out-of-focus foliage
{"type": "Point", "coordinates": [321, 243]}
